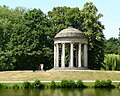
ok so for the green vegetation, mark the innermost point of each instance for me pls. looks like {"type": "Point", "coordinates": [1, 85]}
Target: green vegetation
{"type": "Point", "coordinates": [26, 84]}
{"type": "Point", "coordinates": [37, 84]}
{"type": "Point", "coordinates": [53, 84]}
{"type": "Point", "coordinates": [62, 84]}
{"type": "Point", "coordinates": [111, 62]}
{"type": "Point", "coordinates": [80, 84]}
{"type": "Point", "coordinates": [103, 84]}
{"type": "Point", "coordinates": [113, 46]}
{"type": "Point", "coordinates": [26, 35]}
{"type": "Point", "coordinates": [86, 20]}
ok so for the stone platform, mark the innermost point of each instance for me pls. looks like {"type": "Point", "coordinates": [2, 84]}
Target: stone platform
{"type": "Point", "coordinates": [70, 68]}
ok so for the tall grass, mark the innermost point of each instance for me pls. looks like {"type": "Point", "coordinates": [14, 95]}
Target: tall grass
{"type": "Point", "coordinates": [111, 62]}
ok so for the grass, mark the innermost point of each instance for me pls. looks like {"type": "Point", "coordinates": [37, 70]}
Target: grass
{"type": "Point", "coordinates": [59, 75]}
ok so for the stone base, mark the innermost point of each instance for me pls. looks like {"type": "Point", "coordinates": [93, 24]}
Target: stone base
{"type": "Point", "coordinates": [70, 68]}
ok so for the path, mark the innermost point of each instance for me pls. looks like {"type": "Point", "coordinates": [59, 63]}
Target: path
{"type": "Point", "coordinates": [50, 81]}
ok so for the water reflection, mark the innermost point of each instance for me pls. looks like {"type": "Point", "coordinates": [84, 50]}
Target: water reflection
{"type": "Point", "coordinates": [60, 92]}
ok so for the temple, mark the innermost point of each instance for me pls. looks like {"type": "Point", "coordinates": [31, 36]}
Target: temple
{"type": "Point", "coordinates": [70, 50]}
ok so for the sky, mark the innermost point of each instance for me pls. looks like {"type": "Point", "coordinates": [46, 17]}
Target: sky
{"type": "Point", "coordinates": [109, 8]}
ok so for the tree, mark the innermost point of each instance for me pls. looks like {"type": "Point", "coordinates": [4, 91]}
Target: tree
{"type": "Point", "coordinates": [28, 42]}
{"type": "Point", "coordinates": [112, 46]}
{"type": "Point", "coordinates": [86, 20]}
{"type": "Point", "coordinates": [8, 18]}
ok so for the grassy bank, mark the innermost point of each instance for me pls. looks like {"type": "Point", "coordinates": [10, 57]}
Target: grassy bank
{"type": "Point", "coordinates": [59, 75]}
{"type": "Point", "coordinates": [63, 84]}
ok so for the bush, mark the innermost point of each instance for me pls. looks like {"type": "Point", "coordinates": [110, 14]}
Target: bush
{"type": "Point", "coordinates": [97, 84]}
{"type": "Point", "coordinates": [37, 84]}
{"type": "Point", "coordinates": [26, 84]}
{"type": "Point", "coordinates": [103, 84]}
{"type": "Point", "coordinates": [1, 86]}
{"type": "Point", "coordinates": [80, 84]}
{"type": "Point", "coordinates": [67, 84]}
{"type": "Point", "coordinates": [15, 86]}
{"type": "Point", "coordinates": [53, 85]}
{"type": "Point", "coordinates": [118, 85]}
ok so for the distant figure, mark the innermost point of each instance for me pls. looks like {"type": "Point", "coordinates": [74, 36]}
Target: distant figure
{"type": "Point", "coordinates": [41, 67]}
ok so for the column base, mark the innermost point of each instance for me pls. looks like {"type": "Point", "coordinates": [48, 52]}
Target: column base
{"type": "Point", "coordinates": [70, 68]}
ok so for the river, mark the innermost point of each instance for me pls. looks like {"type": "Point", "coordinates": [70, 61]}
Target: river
{"type": "Point", "coordinates": [60, 92]}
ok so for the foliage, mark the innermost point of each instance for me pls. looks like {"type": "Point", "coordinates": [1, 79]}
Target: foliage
{"type": "Point", "coordinates": [37, 84]}
{"type": "Point", "coordinates": [103, 84]}
{"type": "Point", "coordinates": [8, 18]}
{"type": "Point", "coordinates": [111, 62]}
{"type": "Point", "coordinates": [113, 46]}
{"type": "Point", "coordinates": [118, 85]}
{"type": "Point", "coordinates": [80, 84]}
{"type": "Point", "coordinates": [16, 86]}
{"type": "Point", "coordinates": [1, 86]}
{"type": "Point", "coordinates": [53, 85]}
{"type": "Point", "coordinates": [26, 84]}
{"type": "Point", "coordinates": [26, 36]}
{"type": "Point", "coordinates": [86, 20]}
{"type": "Point", "coordinates": [23, 43]}
{"type": "Point", "coordinates": [67, 84]}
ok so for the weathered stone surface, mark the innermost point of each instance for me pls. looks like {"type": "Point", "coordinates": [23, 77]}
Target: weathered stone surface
{"type": "Point", "coordinates": [70, 32]}
{"type": "Point", "coordinates": [76, 42]}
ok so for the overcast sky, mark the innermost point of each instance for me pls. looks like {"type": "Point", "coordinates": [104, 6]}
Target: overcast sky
{"type": "Point", "coordinates": [109, 8]}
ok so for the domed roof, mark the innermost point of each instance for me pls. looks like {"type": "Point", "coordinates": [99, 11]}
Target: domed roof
{"type": "Point", "coordinates": [70, 33]}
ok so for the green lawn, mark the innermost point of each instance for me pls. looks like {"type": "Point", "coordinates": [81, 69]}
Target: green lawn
{"type": "Point", "coordinates": [59, 75]}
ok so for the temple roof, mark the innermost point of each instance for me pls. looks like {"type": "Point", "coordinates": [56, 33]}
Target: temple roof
{"type": "Point", "coordinates": [70, 32]}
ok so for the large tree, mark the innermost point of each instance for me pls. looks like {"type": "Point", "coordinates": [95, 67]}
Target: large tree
{"type": "Point", "coordinates": [8, 18]}
{"type": "Point", "coordinates": [24, 40]}
{"type": "Point", "coordinates": [86, 20]}
{"type": "Point", "coordinates": [28, 43]}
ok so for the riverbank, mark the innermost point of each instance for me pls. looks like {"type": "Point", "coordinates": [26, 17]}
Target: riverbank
{"type": "Point", "coordinates": [90, 75]}
{"type": "Point", "coordinates": [61, 84]}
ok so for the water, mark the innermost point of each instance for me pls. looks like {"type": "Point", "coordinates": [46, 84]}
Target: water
{"type": "Point", "coordinates": [60, 92]}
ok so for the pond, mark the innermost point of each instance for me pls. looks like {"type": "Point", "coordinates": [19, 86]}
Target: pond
{"type": "Point", "coordinates": [60, 92]}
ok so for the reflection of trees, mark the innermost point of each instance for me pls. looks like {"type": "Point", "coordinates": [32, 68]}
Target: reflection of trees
{"type": "Point", "coordinates": [61, 92]}
{"type": "Point", "coordinates": [103, 92]}
{"type": "Point", "coordinates": [72, 92]}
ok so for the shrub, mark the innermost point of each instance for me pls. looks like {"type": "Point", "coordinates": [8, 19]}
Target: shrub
{"type": "Point", "coordinates": [80, 84]}
{"type": "Point", "coordinates": [67, 84]}
{"type": "Point", "coordinates": [103, 84]}
{"type": "Point", "coordinates": [109, 83]}
{"type": "Point", "coordinates": [72, 84]}
{"type": "Point", "coordinates": [38, 84]}
{"type": "Point", "coordinates": [53, 85]}
{"type": "Point", "coordinates": [118, 84]}
{"type": "Point", "coordinates": [1, 86]}
{"type": "Point", "coordinates": [26, 84]}
{"type": "Point", "coordinates": [97, 84]}
{"type": "Point", "coordinates": [15, 86]}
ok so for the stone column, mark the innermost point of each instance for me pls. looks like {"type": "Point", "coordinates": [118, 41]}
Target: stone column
{"type": "Point", "coordinates": [76, 53]}
{"type": "Point", "coordinates": [54, 55]}
{"type": "Point", "coordinates": [79, 55]}
{"type": "Point", "coordinates": [71, 55]}
{"type": "Point", "coordinates": [57, 55]}
{"type": "Point", "coordinates": [85, 56]}
{"type": "Point", "coordinates": [63, 55]}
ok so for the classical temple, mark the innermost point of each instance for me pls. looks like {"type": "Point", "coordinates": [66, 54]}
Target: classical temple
{"type": "Point", "coordinates": [70, 50]}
